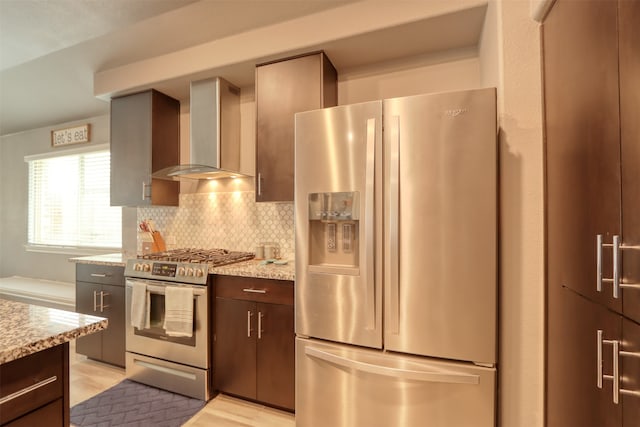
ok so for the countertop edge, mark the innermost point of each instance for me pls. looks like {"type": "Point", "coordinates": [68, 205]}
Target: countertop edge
{"type": "Point", "coordinates": [116, 260]}
{"type": "Point", "coordinates": [12, 354]}
{"type": "Point", "coordinates": [30, 328]}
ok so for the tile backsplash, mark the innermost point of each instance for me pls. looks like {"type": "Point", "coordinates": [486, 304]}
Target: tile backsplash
{"type": "Point", "coordinates": [229, 220]}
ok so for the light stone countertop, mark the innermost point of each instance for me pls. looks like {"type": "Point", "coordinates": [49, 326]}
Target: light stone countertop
{"type": "Point", "coordinates": [254, 268]}
{"type": "Point", "coordinates": [117, 259]}
{"type": "Point", "coordinates": [251, 268]}
{"type": "Point", "coordinates": [27, 328]}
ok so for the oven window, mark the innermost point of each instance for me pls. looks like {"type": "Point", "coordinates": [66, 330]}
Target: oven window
{"type": "Point", "coordinates": [156, 330]}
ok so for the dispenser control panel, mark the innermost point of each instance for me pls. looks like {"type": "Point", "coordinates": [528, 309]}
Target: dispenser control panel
{"type": "Point", "coordinates": [341, 206]}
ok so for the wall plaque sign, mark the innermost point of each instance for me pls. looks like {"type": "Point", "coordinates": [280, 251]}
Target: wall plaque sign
{"type": "Point", "coordinates": [74, 135]}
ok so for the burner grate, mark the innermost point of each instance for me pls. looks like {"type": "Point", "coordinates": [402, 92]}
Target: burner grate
{"type": "Point", "coordinates": [212, 257]}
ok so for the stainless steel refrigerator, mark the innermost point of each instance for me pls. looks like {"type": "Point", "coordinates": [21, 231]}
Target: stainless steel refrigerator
{"type": "Point", "coordinates": [396, 260]}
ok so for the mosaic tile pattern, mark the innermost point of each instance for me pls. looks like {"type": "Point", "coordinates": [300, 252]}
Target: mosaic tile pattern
{"type": "Point", "coordinates": [231, 220]}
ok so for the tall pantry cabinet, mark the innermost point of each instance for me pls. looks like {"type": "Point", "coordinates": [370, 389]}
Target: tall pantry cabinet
{"type": "Point", "coordinates": [591, 55]}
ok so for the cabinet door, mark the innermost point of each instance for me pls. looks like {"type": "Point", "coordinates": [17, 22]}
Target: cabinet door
{"type": "Point", "coordinates": [276, 355]}
{"type": "Point", "coordinates": [145, 137]}
{"type": "Point", "coordinates": [582, 142]}
{"type": "Point", "coordinates": [113, 346]}
{"type": "Point", "coordinates": [573, 398]}
{"type": "Point", "coordinates": [629, 45]}
{"type": "Point", "coordinates": [282, 89]}
{"type": "Point", "coordinates": [87, 302]}
{"type": "Point", "coordinates": [131, 149]}
{"type": "Point", "coordinates": [235, 347]}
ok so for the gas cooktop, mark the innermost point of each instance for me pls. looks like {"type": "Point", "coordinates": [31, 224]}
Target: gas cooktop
{"type": "Point", "coordinates": [211, 257]}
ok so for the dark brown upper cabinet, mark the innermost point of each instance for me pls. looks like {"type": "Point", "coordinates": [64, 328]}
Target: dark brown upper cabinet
{"type": "Point", "coordinates": [145, 137]}
{"type": "Point", "coordinates": [283, 88]}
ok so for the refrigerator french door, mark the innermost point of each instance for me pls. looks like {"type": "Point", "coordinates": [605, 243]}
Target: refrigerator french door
{"type": "Point", "coordinates": [396, 250]}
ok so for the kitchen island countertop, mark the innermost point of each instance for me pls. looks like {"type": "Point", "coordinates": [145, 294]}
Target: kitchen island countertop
{"type": "Point", "coordinates": [27, 328]}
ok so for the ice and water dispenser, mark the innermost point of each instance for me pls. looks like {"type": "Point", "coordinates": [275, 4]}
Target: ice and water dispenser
{"type": "Point", "coordinates": [334, 232]}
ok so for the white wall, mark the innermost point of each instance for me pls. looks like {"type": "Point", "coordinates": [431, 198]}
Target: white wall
{"type": "Point", "coordinates": [517, 68]}
{"type": "Point", "coordinates": [14, 199]}
{"type": "Point", "coordinates": [411, 76]}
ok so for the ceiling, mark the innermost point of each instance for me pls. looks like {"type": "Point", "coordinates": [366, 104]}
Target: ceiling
{"type": "Point", "coordinates": [46, 72]}
{"type": "Point", "coordinates": [50, 50]}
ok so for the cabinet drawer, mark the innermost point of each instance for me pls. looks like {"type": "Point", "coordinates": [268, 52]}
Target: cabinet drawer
{"type": "Point", "coordinates": [49, 415]}
{"type": "Point", "coordinates": [103, 274]}
{"type": "Point", "coordinates": [39, 376]}
{"type": "Point", "coordinates": [252, 289]}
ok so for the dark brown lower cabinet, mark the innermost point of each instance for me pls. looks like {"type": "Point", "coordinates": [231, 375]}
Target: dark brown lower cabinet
{"type": "Point", "coordinates": [254, 353]}
{"type": "Point", "coordinates": [100, 292]}
{"type": "Point", "coordinates": [36, 389]}
{"type": "Point", "coordinates": [578, 392]}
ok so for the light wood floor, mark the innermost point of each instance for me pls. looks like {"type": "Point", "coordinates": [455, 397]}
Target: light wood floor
{"type": "Point", "coordinates": [88, 378]}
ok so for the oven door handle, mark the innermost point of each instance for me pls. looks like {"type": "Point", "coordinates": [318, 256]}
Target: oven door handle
{"type": "Point", "coordinates": [159, 290]}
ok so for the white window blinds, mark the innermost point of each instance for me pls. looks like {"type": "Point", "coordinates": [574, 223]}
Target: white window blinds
{"type": "Point", "coordinates": [69, 202]}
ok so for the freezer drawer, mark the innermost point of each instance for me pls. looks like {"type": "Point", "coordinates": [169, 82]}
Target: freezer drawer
{"type": "Point", "coordinates": [339, 385]}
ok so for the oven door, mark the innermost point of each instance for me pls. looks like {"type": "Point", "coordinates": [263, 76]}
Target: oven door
{"type": "Point", "coordinates": [154, 341]}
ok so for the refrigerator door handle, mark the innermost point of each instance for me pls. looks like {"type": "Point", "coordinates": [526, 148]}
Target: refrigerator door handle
{"type": "Point", "coordinates": [427, 375]}
{"type": "Point", "coordinates": [370, 303]}
{"type": "Point", "coordinates": [393, 260]}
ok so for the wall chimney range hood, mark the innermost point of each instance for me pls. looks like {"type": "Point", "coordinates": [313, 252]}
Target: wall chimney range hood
{"type": "Point", "coordinates": [214, 133]}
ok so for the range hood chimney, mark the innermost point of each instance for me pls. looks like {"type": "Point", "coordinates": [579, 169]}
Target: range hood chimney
{"type": "Point", "coordinates": [214, 134]}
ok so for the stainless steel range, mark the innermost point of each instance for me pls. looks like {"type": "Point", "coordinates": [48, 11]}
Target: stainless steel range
{"type": "Point", "coordinates": [155, 356]}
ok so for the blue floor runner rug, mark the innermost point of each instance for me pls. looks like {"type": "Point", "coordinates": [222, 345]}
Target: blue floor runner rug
{"type": "Point", "coordinates": [133, 404]}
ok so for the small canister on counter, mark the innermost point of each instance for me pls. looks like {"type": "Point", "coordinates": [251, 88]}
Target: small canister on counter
{"type": "Point", "coordinates": [259, 252]}
{"type": "Point", "coordinates": [271, 251]}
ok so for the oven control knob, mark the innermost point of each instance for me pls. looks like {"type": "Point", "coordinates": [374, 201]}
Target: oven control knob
{"type": "Point", "coordinates": [146, 267]}
{"type": "Point", "coordinates": [137, 267]}
{"type": "Point", "coordinates": [189, 271]}
{"type": "Point", "coordinates": [199, 272]}
{"type": "Point", "coordinates": [180, 271]}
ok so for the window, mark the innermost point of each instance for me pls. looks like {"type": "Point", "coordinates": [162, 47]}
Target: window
{"type": "Point", "coordinates": [69, 201]}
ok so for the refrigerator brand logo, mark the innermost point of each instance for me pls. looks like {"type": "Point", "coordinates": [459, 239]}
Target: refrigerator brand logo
{"type": "Point", "coordinates": [455, 112]}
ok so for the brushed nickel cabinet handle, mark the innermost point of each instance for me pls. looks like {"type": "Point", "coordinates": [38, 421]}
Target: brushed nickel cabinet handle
{"type": "Point", "coordinates": [100, 275]}
{"type": "Point", "coordinates": [102, 295]}
{"type": "Point", "coordinates": [95, 301]}
{"type": "Point", "coordinates": [260, 316]}
{"type": "Point", "coordinates": [144, 190]}
{"type": "Point", "coordinates": [259, 182]}
{"type": "Point", "coordinates": [617, 246]}
{"type": "Point", "coordinates": [27, 390]}
{"type": "Point", "coordinates": [255, 291]}
{"type": "Point", "coordinates": [615, 377]}
{"type": "Point", "coordinates": [249, 314]}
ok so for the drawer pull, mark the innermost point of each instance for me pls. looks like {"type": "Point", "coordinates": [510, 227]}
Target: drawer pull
{"type": "Point", "coordinates": [27, 390]}
{"type": "Point", "coordinates": [100, 275]}
{"type": "Point", "coordinates": [255, 291]}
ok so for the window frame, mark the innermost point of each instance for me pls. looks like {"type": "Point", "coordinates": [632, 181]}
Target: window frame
{"type": "Point", "coordinates": [64, 249]}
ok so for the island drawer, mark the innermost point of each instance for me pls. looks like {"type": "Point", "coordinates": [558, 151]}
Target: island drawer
{"type": "Point", "coordinates": [31, 382]}
{"type": "Point", "coordinates": [254, 289]}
